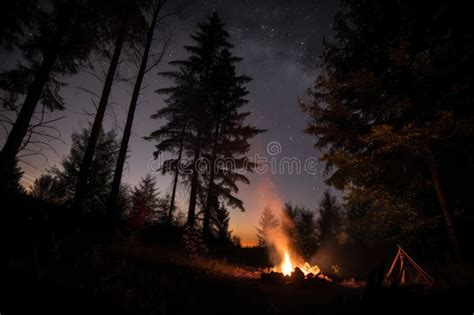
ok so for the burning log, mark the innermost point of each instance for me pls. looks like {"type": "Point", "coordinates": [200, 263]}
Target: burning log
{"type": "Point", "coordinates": [297, 275]}
{"type": "Point", "coordinates": [293, 270]}
{"type": "Point", "coordinates": [273, 278]}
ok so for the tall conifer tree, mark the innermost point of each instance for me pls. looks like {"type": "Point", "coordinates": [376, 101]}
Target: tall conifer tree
{"type": "Point", "coordinates": [206, 121]}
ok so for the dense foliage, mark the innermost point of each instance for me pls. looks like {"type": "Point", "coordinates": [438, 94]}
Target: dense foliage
{"type": "Point", "coordinates": [392, 111]}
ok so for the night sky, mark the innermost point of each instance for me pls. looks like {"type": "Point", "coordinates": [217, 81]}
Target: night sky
{"type": "Point", "coordinates": [279, 42]}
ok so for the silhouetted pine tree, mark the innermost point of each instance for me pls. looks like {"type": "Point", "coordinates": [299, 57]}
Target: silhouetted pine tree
{"type": "Point", "coordinates": [391, 106]}
{"type": "Point", "coordinates": [330, 219]}
{"type": "Point", "coordinates": [220, 225]}
{"type": "Point", "coordinates": [268, 222]}
{"type": "Point", "coordinates": [307, 228]}
{"type": "Point", "coordinates": [123, 24]}
{"type": "Point", "coordinates": [288, 221]}
{"type": "Point", "coordinates": [47, 187]}
{"type": "Point", "coordinates": [205, 120]}
{"type": "Point", "coordinates": [15, 20]}
{"type": "Point", "coordinates": [229, 138]}
{"type": "Point", "coordinates": [300, 226]}
{"type": "Point", "coordinates": [209, 41]}
{"type": "Point", "coordinates": [61, 39]}
{"type": "Point", "coordinates": [173, 135]}
{"type": "Point", "coordinates": [155, 7]}
{"type": "Point", "coordinates": [145, 201]}
{"type": "Point", "coordinates": [12, 183]}
{"type": "Point", "coordinates": [60, 188]}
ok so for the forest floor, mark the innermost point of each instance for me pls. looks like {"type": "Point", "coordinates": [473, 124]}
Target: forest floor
{"type": "Point", "coordinates": [66, 272]}
{"type": "Point", "coordinates": [129, 278]}
{"type": "Point", "coordinates": [154, 280]}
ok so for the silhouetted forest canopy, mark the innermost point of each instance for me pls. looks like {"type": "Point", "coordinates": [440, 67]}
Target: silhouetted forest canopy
{"type": "Point", "coordinates": [183, 156]}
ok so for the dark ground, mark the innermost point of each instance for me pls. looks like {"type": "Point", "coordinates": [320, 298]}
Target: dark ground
{"type": "Point", "coordinates": [52, 269]}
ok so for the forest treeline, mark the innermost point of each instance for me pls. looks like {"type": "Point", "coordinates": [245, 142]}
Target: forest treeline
{"type": "Point", "coordinates": [203, 111]}
{"type": "Point", "coordinates": [307, 229]}
{"type": "Point", "coordinates": [391, 110]}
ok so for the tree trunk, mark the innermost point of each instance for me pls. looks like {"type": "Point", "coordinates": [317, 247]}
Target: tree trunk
{"type": "Point", "coordinates": [197, 154]}
{"type": "Point", "coordinates": [448, 219]}
{"type": "Point", "coordinates": [81, 186]}
{"type": "Point", "coordinates": [22, 122]}
{"type": "Point", "coordinates": [194, 184]}
{"type": "Point", "coordinates": [112, 202]}
{"type": "Point", "coordinates": [206, 231]}
{"type": "Point", "coordinates": [176, 176]}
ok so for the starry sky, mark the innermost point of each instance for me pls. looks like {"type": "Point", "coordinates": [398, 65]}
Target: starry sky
{"type": "Point", "coordinates": [279, 41]}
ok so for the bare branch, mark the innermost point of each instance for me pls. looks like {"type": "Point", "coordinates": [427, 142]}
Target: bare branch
{"type": "Point", "coordinates": [164, 49]}
{"type": "Point", "coordinates": [87, 91]}
{"type": "Point", "coordinates": [20, 158]}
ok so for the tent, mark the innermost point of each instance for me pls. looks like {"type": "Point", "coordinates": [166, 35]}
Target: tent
{"type": "Point", "coordinates": [405, 271]}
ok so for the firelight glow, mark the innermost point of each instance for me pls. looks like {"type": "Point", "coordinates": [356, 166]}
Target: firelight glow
{"type": "Point", "coordinates": [287, 266]}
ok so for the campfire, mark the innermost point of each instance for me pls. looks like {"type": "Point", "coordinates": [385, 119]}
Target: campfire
{"type": "Point", "coordinates": [292, 268]}
{"type": "Point", "coordinates": [288, 266]}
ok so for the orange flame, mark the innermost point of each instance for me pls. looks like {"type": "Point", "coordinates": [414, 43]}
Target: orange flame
{"type": "Point", "coordinates": [287, 266]}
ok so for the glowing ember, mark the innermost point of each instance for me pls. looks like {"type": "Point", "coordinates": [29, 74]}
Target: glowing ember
{"type": "Point", "coordinates": [287, 266]}
{"type": "Point", "coordinates": [307, 269]}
